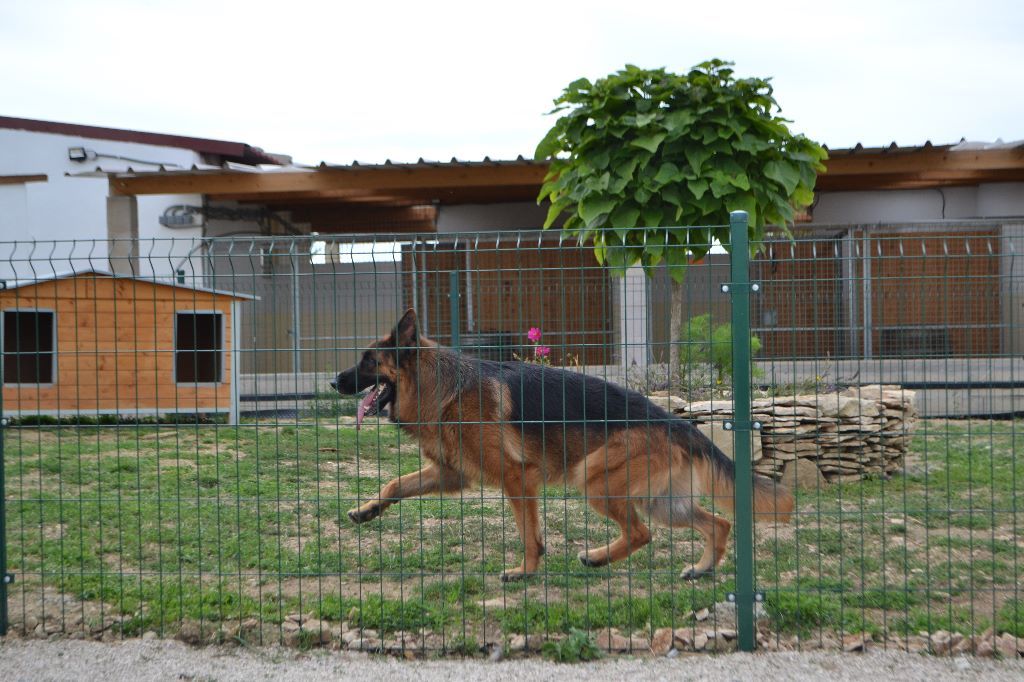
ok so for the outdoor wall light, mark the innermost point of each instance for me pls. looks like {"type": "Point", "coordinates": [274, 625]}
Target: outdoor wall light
{"type": "Point", "coordinates": [80, 154]}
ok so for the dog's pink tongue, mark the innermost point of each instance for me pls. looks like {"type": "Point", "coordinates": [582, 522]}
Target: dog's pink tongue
{"type": "Point", "coordinates": [364, 405]}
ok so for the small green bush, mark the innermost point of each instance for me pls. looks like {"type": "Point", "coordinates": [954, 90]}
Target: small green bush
{"type": "Point", "coordinates": [119, 419]}
{"type": "Point", "coordinates": [702, 346]}
{"type": "Point", "coordinates": [575, 647]}
{"type": "Point", "coordinates": [330, 405]}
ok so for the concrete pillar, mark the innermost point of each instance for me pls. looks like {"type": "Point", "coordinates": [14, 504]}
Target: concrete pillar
{"type": "Point", "coordinates": [123, 233]}
{"type": "Point", "coordinates": [1011, 288]}
{"type": "Point", "coordinates": [850, 295]}
{"type": "Point", "coordinates": [632, 321]}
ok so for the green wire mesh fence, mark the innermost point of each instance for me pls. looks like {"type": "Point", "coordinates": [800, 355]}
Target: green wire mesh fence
{"type": "Point", "coordinates": [176, 459]}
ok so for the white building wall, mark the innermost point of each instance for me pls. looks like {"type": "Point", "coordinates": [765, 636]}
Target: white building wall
{"type": "Point", "coordinates": [1001, 199]}
{"type": "Point", "coordinates": [995, 200]}
{"type": "Point", "coordinates": [13, 210]}
{"type": "Point", "coordinates": [163, 250]}
{"type": "Point", "coordinates": [73, 210]}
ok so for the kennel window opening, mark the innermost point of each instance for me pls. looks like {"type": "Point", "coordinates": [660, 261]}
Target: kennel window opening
{"type": "Point", "coordinates": [198, 347]}
{"type": "Point", "coordinates": [29, 346]}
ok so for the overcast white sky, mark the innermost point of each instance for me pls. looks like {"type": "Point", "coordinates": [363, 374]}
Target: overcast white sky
{"type": "Point", "coordinates": [339, 81]}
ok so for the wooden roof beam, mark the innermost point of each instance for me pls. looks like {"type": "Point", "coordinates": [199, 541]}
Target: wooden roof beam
{"type": "Point", "coordinates": [22, 179]}
{"type": "Point", "coordinates": [922, 160]}
{"type": "Point", "coordinates": [378, 179]}
{"type": "Point", "coordinates": [404, 184]}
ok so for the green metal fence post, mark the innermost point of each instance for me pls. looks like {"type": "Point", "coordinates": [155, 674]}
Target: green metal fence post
{"type": "Point", "coordinates": [739, 295]}
{"type": "Point", "coordinates": [4, 577]}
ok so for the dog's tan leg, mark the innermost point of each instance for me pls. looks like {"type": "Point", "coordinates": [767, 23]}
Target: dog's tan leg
{"type": "Point", "coordinates": [430, 479]}
{"type": "Point", "coordinates": [520, 487]}
{"type": "Point", "coordinates": [604, 477]}
{"type": "Point", "coordinates": [715, 530]}
{"type": "Point", "coordinates": [635, 533]}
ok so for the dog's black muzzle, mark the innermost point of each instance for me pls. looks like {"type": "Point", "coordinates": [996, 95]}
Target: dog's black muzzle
{"type": "Point", "coordinates": [351, 382]}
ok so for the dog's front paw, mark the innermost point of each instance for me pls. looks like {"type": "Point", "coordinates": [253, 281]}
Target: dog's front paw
{"type": "Point", "coordinates": [520, 572]}
{"type": "Point", "coordinates": [364, 514]}
{"type": "Point", "coordinates": [514, 575]}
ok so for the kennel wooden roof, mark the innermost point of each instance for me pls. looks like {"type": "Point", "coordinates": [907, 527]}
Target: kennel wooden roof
{"type": "Point", "coordinates": [99, 272]}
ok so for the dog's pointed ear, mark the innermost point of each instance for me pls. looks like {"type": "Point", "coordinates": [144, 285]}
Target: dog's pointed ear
{"type": "Point", "coordinates": [406, 332]}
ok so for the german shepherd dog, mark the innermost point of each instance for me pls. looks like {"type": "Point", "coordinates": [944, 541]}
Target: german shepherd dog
{"type": "Point", "coordinates": [516, 425]}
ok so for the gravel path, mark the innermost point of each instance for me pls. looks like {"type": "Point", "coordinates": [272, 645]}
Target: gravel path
{"type": "Point", "coordinates": [172, 660]}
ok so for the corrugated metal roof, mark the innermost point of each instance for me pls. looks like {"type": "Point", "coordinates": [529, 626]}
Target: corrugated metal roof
{"type": "Point", "coordinates": [969, 145]}
{"type": "Point", "coordinates": [848, 169]}
{"type": "Point", "coordinates": [859, 148]}
{"type": "Point", "coordinates": [893, 147]}
{"type": "Point", "coordinates": [199, 169]}
{"type": "Point", "coordinates": [66, 274]}
{"type": "Point", "coordinates": [486, 162]}
{"type": "Point", "coordinates": [194, 169]}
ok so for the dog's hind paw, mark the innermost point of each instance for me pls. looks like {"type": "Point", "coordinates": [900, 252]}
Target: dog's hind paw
{"type": "Point", "coordinates": [591, 562]}
{"type": "Point", "coordinates": [363, 515]}
{"type": "Point", "coordinates": [693, 574]}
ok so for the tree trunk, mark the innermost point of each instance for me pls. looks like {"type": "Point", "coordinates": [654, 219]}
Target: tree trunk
{"type": "Point", "coordinates": [678, 308]}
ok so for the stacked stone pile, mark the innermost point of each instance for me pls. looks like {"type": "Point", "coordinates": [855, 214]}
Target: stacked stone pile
{"type": "Point", "coordinates": [849, 435]}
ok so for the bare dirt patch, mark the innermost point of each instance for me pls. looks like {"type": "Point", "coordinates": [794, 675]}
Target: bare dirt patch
{"type": "Point", "coordinates": [46, 612]}
{"type": "Point", "coordinates": [53, 531]}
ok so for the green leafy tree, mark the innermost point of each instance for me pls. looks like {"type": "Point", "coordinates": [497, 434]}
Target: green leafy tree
{"type": "Point", "coordinates": [648, 148]}
{"type": "Point", "coordinates": [640, 155]}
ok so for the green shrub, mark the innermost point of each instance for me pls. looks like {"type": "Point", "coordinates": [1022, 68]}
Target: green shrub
{"type": "Point", "coordinates": [330, 404]}
{"type": "Point", "coordinates": [702, 346]}
{"type": "Point", "coordinates": [575, 647]}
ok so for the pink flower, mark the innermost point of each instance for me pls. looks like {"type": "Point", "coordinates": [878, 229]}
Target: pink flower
{"type": "Point", "coordinates": [533, 334]}
{"type": "Point", "coordinates": [542, 351]}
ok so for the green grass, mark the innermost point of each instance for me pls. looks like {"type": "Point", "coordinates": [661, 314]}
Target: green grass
{"type": "Point", "coordinates": [144, 526]}
{"type": "Point", "coordinates": [598, 610]}
{"type": "Point", "coordinates": [1011, 617]}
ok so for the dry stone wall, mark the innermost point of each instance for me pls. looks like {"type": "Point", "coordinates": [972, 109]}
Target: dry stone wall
{"type": "Point", "coordinates": [849, 435]}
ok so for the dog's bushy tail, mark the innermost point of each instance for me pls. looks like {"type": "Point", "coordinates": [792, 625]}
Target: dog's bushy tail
{"type": "Point", "coordinates": [716, 476]}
